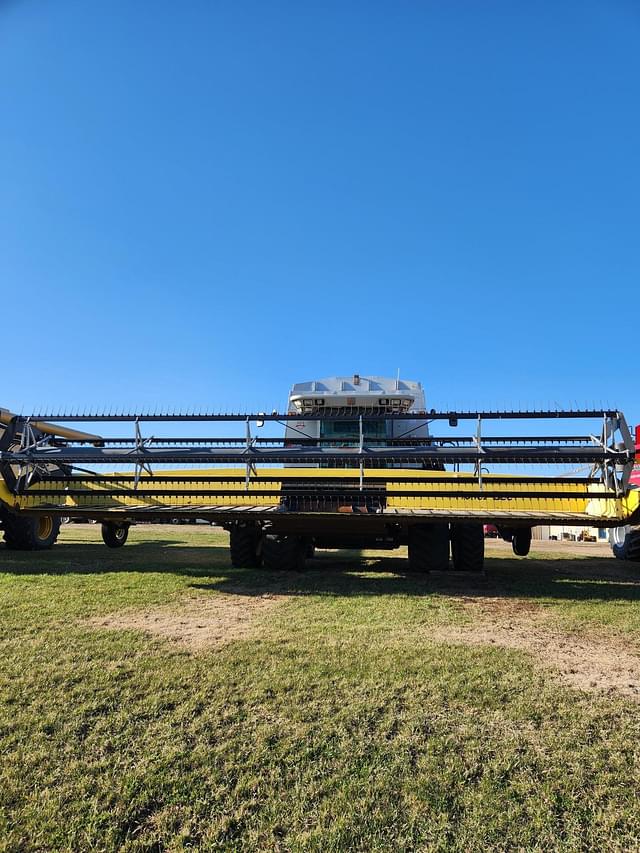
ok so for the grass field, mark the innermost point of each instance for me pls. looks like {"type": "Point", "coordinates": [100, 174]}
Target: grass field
{"type": "Point", "coordinates": [153, 698]}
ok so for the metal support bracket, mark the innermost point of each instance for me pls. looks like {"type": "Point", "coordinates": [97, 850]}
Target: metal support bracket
{"type": "Point", "coordinates": [27, 470]}
{"type": "Point", "coordinates": [361, 448]}
{"type": "Point", "coordinates": [610, 426]}
{"type": "Point", "coordinates": [477, 440]}
{"type": "Point", "coordinates": [630, 446]}
{"type": "Point", "coordinates": [250, 466]}
{"type": "Point", "coordinates": [141, 465]}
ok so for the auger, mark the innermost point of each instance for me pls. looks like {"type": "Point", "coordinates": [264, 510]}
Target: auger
{"type": "Point", "coordinates": [353, 462]}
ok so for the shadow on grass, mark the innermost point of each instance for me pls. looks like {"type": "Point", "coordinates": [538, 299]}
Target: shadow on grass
{"type": "Point", "coordinates": [344, 573]}
{"type": "Point", "coordinates": [505, 578]}
{"type": "Point", "coordinates": [162, 555]}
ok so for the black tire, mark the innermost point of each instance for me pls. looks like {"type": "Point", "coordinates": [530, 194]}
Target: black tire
{"type": "Point", "coordinates": [628, 548]}
{"type": "Point", "coordinates": [284, 553]}
{"type": "Point", "coordinates": [114, 535]}
{"type": "Point", "coordinates": [245, 547]}
{"type": "Point", "coordinates": [429, 547]}
{"type": "Point", "coordinates": [521, 541]}
{"type": "Point", "coordinates": [467, 547]}
{"type": "Point", "coordinates": [29, 533]}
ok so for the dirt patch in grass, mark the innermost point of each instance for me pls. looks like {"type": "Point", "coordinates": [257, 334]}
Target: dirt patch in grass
{"type": "Point", "coordinates": [583, 662]}
{"type": "Point", "coordinates": [197, 623]}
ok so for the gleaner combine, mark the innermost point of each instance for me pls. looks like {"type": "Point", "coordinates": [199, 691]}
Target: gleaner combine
{"type": "Point", "coordinates": [362, 463]}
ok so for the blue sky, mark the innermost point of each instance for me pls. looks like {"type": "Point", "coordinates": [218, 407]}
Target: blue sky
{"type": "Point", "coordinates": [204, 202]}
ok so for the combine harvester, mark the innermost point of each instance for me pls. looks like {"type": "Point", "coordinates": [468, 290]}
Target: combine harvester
{"type": "Point", "coordinates": [361, 464]}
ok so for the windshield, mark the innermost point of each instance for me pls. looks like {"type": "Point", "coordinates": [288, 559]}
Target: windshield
{"type": "Point", "coordinates": [347, 434]}
{"type": "Point", "coordinates": [349, 431]}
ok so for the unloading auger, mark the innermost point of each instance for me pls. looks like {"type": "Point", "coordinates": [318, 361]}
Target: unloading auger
{"type": "Point", "coordinates": [359, 476]}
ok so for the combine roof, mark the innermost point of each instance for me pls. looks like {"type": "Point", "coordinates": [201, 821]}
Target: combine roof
{"type": "Point", "coordinates": [357, 391]}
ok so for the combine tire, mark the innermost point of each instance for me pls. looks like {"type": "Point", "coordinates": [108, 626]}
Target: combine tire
{"type": "Point", "coordinates": [114, 535]}
{"type": "Point", "coordinates": [625, 543]}
{"type": "Point", "coordinates": [467, 547]}
{"type": "Point", "coordinates": [429, 547]}
{"type": "Point", "coordinates": [30, 534]}
{"type": "Point", "coordinates": [245, 547]}
{"type": "Point", "coordinates": [285, 553]}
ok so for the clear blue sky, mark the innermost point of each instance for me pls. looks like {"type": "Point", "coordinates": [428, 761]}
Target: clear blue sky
{"type": "Point", "coordinates": [203, 202]}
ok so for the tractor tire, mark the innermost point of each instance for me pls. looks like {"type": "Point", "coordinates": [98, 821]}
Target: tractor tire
{"type": "Point", "coordinates": [114, 535]}
{"type": "Point", "coordinates": [284, 553]}
{"type": "Point", "coordinates": [625, 543]}
{"type": "Point", "coordinates": [467, 547]}
{"type": "Point", "coordinates": [521, 541]}
{"type": "Point", "coordinates": [245, 547]}
{"type": "Point", "coordinates": [429, 547]}
{"type": "Point", "coordinates": [29, 533]}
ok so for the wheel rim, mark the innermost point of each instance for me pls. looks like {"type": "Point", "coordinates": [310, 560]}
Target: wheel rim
{"type": "Point", "coordinates": [120, 532]}
{"type": "Point", "coordinates": [619, 534]}
{"type": "Point", "coordinates": [45, 526]}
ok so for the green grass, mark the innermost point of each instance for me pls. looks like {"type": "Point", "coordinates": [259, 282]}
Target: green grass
{"type": "Point", "coordinates": [337, 724]}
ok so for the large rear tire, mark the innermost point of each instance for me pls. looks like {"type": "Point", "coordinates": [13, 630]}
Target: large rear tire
{"type": "Point", "coordinates": [467, 547]}
{"type": "Point", "coordinates": [625, 543]}
{"type": "Point", "coordinates": [29, 533]}
{"type": "Point", "coordinates": [245, 547]}
{"type": "Point", "coordinates": [429, 547]}
{"type": "Point", "coordinates": [285, 553]}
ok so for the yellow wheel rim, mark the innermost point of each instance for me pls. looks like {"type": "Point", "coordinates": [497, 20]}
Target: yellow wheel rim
{"type": "Point", "coordinates": [45, 526]}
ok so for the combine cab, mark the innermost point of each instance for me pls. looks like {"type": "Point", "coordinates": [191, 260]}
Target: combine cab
{"type": "Point", "coordinates": [353, 462]}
